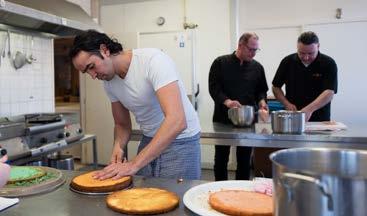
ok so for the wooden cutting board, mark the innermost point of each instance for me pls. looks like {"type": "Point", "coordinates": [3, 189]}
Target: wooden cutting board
{"type": "Point", "coordinates": [42, 187]}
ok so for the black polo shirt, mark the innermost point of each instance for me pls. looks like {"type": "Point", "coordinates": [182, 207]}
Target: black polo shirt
{"type": "Point", "coordinates": [228, 79]}
{"type": "Point", "coordinates": [304, 84]}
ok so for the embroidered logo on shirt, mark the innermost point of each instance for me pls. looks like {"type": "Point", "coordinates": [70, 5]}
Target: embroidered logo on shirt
{"type": "Point", "coordinates": [316, 75]}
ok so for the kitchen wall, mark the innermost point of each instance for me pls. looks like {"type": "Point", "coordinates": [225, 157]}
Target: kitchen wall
{"type": "Point", "coordinates": [264, 13]}
{"type": "Point", "coordinates": [31, 88]}
{"type": "Point", "coordinates": [279, 23]}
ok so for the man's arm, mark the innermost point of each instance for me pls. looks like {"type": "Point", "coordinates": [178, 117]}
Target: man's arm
{"type": "Point", "coordinates": [173, 124]}
{"type": "Point", "coordinates": [324, 98]}
{"type": "Point", "coordinates": [261, 90]}
{"type": "Point", "coordinates": [122, 130]}
{"type": "Point", "coordinates": [263, 105]}
{"type": "Point", "coordinates": [215, 87]}
{"type": "Point", "coordinates": [279, 95]}
{"type": "Point", "coordinates": [280, 78]}
{"type": "Point", "coordinates": [215, 83]}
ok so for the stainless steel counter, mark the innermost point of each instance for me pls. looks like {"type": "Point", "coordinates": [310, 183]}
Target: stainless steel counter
{"type": "Point", "coordinates": [63, 202]}
{"type": "Point", "coordinates": [260, 135]}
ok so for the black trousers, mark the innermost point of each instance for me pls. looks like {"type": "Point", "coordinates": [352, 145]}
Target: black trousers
{"type": "Point", "coordinates": [243, 155]}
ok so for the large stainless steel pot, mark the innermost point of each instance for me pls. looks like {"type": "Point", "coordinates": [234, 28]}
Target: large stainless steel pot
{"type": "Point", "coordinates": [242, 116]}
{"type": "Point", "coordinates": [292, 122]}
{"type": "Point", "coordinates": [320, 181]}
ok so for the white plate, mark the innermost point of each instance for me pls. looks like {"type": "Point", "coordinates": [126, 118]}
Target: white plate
{"type": "Point", "coordinates": [196, 199]}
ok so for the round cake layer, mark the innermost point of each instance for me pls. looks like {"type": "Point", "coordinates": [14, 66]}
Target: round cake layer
{"type": "Point", "coordinates": [143, 201]}
{"type": "Point", "coordinates": [25, 173]}
{"type": "Point", "coordinates": [86, 183]}
{"type": "Point", "coordinates": [242, 203]}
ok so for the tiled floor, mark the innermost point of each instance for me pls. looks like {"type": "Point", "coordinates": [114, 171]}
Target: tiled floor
{"type": "Point", "coordinates": [63, 107]}
{"type": "Point", "coordinates": [208, 175]}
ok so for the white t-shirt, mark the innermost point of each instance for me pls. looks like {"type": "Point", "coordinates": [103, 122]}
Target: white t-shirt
{"type": "Point", "coordinates": [149, 70]}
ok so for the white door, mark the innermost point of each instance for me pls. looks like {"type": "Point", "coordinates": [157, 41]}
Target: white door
{"type": "Point", "coordinates": [179, 45]}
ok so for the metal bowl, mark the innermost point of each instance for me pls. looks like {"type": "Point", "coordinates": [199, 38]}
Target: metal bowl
{"type": "Point", "coordinates": [242, 116]}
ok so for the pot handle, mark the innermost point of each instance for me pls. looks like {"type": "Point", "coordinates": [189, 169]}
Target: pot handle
{"type": "Point", "coordinates": [321, 185]}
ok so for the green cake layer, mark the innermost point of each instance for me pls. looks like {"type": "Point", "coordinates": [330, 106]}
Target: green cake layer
{"type": "Point", "coordinates": [33, 182]}
{"type": "Point", "coordinates": [24, 173]}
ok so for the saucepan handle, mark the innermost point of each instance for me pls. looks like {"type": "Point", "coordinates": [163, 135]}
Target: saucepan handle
{"type": "Point", "coordinates": [323, 187]}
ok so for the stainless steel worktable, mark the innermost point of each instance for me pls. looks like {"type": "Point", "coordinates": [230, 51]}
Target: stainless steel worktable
{"type": "Point", "coordinates": [260, 135]}
{"type": "Point", "coordinates": [85, 139]}
{"type": "Point", "coordinates": [63, 202]}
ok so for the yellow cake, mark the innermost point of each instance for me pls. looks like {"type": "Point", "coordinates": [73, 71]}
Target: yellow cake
{"type": "Point", "coordinates": [241, 203]}
{"type": "Point", "coordinates": [86, 183]}
{"type": "Point", "coordinates": [143, 201]}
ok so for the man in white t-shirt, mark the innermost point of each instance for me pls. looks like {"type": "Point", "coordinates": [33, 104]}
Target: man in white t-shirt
{"type": "Point", "coordinates": [146, 83]}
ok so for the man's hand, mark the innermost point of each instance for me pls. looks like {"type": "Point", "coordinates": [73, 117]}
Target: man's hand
{"type": "Point", "coordinates": [290, 107]}
{"type": "Point", "coordinates": [263, 112]}
{"type": "Point", "coordinates": [308, 113]}
{"type": "Point", "coordinates": [324, 98]}
{"type": "Point", "coordinates": [263, 105]}
{"type": "Point", "coordinates": [263, 115]}
{"type": "Point", "coordinates": [116, 156]}
{"type": "Point", "coordinates": [232, 103]}
{"type": "Point", "coordinates": [116, 171]}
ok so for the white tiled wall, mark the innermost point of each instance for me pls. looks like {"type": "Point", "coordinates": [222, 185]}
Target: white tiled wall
{"type": "Point", "coordinates": [30, 88]}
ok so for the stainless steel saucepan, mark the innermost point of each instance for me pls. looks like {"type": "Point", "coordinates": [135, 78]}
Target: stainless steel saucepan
{"type": "Point", "coordinates": [291, 122]}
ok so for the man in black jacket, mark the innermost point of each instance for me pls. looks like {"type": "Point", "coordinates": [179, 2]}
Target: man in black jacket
{"type": "Point", "coordinates": [234, 80]}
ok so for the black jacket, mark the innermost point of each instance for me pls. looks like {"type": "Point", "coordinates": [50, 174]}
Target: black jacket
{"type": "Point", "coordinates": [228, 79]}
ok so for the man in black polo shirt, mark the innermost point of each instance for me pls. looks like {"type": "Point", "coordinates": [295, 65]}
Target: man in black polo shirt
{"type": "Point", "coordinates": [310, 79]}
{"type": "Point", "coordinates": [234, 80]}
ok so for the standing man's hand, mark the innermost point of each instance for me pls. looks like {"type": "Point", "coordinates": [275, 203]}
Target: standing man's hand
{"type": "Point", "coordinates": [117, 153]}
{"type": "Point", "coordinates": [232, 103]}
{"type": "Point", "coordinates": [263, 112]}
{"type": "Point", "coordinates": [308, 113]}
{"type": "Point", "coordinates": [324, 98]}
{"type": "Point", "coordinates": [263, 105]}
{"type": "Point", "coordinates": [279, 95]}
{"type": "Point", "coordinates": [290, 107]}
